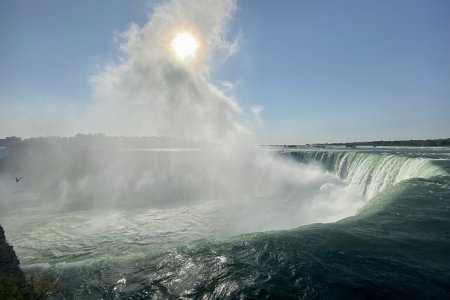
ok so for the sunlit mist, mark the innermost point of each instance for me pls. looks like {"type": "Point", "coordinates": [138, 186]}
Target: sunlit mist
{"type": "Point", "coordinates": [184, 46]}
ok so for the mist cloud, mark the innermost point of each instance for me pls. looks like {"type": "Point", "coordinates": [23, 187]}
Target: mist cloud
{"type": "Point", "coordinates": [148, 92]}
{"type": "Point", "coordinates": [256, 111]}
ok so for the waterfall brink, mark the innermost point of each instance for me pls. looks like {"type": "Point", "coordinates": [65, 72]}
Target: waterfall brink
{"type": "Point", "coordinates": [371, 172]}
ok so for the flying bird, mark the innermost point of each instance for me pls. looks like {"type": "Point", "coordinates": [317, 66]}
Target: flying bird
{"type": "Point", "coordinates": [18, 179]}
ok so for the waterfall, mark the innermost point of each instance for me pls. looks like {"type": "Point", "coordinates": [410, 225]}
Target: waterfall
{"type": "Point", "coordinates": [371, 172]}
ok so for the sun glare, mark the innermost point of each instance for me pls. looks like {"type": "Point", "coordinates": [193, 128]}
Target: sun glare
{"type": "Point", "coordinates": [184, 46]}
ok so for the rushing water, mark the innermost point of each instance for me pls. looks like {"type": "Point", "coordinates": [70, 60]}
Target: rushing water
{"type": "Point", "coordinates": [395, 246]}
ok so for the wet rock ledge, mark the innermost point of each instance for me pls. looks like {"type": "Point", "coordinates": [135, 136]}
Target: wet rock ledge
{"type": "Point", "coordinates": [13, 284]}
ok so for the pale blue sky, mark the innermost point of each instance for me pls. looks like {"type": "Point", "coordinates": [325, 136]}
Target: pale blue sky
{"type": "Point", "coordinates": [324, 71]}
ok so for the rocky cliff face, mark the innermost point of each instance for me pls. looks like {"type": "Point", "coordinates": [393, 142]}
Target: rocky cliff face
{"type": "Point", "coordinates": [9, 264]}
{"type": "Point", "coordinates": [13, 284]}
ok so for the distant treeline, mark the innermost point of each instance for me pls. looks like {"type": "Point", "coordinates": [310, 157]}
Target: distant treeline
{"type": "Point", "coordinates": [412, 143]}
{"type": "Point", "coordinates": [87, 141]}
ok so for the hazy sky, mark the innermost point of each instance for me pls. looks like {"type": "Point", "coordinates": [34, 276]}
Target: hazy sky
{"type": "Point", "coordinates": [301, 71]}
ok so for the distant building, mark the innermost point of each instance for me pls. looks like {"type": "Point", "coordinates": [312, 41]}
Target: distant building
{"type": "Point", "coordinates": [10, 141]}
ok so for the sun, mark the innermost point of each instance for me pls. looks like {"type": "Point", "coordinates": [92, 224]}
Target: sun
{"type": "Point", "coordinates": [184, 45]}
